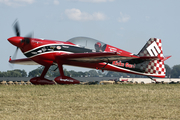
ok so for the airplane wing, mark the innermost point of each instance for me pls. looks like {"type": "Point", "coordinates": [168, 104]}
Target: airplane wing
{"type": "Point", "coordinates": [23, 61]}
{"type": "Point", "coordinates": [86, 57]}
{"type": "Point", "coordinates": [95, 57]}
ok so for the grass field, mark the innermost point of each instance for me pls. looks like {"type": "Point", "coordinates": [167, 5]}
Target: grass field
{"type": "Point", "coordinates": [90, 102]}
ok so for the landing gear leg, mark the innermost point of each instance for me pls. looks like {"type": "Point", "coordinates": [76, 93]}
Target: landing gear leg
{"type": "Point", "coordinates": [62, 79]}
{"type": "Point", "coordinates": [61, 69]}
{"type": "Point", "coordinates": [41, 80]}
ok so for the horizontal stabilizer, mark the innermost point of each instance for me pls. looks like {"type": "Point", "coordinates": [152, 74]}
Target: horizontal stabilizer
{"type": "Point", "coordinates": [162, 59]}
{"type": "Point", "coordinates": [165, 58]}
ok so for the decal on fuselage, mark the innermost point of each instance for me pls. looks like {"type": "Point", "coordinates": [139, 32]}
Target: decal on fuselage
{"type": "Point", "coordinates": [55, 48]}
{"type": "Point", "coordinates": [121, 64]}
{"type": "Point", "coordinates": [66, 80]}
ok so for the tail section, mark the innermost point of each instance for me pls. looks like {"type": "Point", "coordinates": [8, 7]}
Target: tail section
{"type": "Point", "coordinates": [156, 67]}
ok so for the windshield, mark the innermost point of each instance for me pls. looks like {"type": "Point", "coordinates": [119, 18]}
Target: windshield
{"type": "Point", "coordinates": [89, 43]}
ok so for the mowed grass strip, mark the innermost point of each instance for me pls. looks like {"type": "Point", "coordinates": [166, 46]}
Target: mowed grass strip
{"type": "Point", "coordinates": [90, 102]}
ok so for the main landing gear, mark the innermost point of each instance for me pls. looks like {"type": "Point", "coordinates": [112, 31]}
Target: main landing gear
{"type": "Point", "coordinates": [60, 79]}
{"type": "Point", "coordinates": [41, 80]}
{"type": "Point", "coordinates": [64, 79]}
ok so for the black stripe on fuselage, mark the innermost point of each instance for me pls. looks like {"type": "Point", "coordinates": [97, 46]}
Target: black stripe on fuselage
{"type": "Point", "coordinates": [55, 48]}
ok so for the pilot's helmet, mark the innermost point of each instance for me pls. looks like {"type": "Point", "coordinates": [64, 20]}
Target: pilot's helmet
{"type": "Point", "coordinates": [98, 45]}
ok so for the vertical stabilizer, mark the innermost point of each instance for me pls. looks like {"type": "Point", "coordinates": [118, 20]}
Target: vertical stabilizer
{"type": "Point", "coordinates": [153, 48]}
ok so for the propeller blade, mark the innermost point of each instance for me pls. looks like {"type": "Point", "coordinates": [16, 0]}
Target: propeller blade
{"type": "Point", "coordinates": [16, 28]}
{"type": "Point", "coordinates": [15, 54]}
{"type": "Point", "coordinates": [14, 57]}
{"type": "Point", "coordinates": [11, 65]}
{"type": "Point", "coordinates": [30, 35]}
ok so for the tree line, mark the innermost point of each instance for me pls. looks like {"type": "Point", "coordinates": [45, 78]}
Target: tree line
{"type": "Point", "coordinates": [173, 72]}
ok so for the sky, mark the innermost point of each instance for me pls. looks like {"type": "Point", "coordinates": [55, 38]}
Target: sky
{"type": "Point", "coordinates": [126, 24]}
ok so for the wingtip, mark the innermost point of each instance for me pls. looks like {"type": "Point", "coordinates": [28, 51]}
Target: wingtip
{"type": "Point", "coordinates": [10, 59]}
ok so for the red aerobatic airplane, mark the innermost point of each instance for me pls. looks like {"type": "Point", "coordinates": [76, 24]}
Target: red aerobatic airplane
{"type": "Point", "coordinates": [89, 53]}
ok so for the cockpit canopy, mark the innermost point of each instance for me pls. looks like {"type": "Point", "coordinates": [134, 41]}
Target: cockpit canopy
{"type": "Point", "coordinates": [89, 43]}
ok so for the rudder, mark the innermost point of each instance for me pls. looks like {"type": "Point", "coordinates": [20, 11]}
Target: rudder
{"type": "Point", "coordinates": [153, 48]}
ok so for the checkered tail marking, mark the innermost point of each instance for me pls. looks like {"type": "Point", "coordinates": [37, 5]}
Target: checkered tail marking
{"type": "Point", "coordinates": [152, 48]}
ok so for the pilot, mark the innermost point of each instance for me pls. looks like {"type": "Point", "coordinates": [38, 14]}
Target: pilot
{"type": "Point", "coordinates": [98, 47]}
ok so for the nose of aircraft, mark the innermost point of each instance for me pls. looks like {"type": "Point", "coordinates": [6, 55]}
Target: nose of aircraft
{"type": "Point", "coordinates": [16, 41]}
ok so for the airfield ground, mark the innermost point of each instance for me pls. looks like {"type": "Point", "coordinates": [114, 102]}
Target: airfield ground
{"type": "Point", "coordinates": [91, 102]}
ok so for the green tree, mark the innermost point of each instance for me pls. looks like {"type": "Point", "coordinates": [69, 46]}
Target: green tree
{"type": "Point", "coordinates": [93, 73]}
{"type": "Point", "coordinates": [175, 72]}
{"type": "Point", "coordinates": [74, 73]}
{"type": "Point", "coordinates": [14, 73]}
{"type": "Point", "coordinates": [66, 73]}
{"type": "Point", "coordinates": [37, 72]}
{"type": "Point", "coordinates": [112, 74]}
{"type": "Point", "coordinates": [53, 71]}
{"type": "Point", "coordinates": [50, 73]}
{"type": "Point", "coordinates": [168, 70]}
{"type": "Point", "coordinates": [102, 73]}
{"type": "Point", "coordinates": [81, 74]}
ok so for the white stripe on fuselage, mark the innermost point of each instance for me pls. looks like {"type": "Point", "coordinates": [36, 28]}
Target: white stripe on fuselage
{"type": "Point", "coordinates": [51, 52]}
{"type": "Point", "coordinates": [48, 45]}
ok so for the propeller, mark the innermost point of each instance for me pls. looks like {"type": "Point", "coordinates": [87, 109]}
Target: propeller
{"type": "Point", "coordinates": [17, 32]}
{"type": "Point", "coordinates": [26, 39]}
